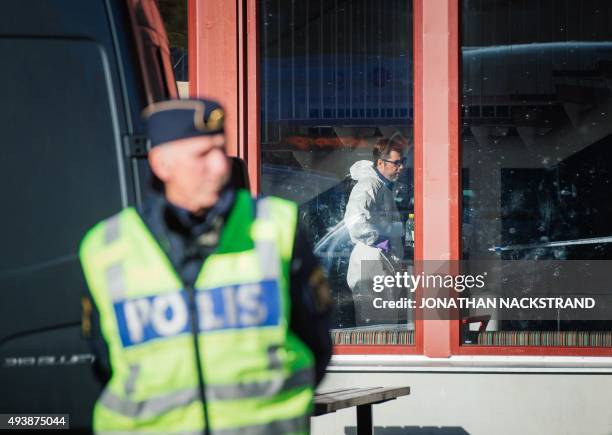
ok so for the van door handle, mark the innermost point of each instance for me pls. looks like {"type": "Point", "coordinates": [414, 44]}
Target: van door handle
{"type": "Point", "coordinates": [136, 146]}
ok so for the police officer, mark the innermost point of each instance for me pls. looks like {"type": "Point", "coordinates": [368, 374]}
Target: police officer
{"type": "Point", "coordinates": [210, 313]}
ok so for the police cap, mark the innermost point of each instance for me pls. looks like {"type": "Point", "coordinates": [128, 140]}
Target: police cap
{"type": "Point", "coordinates": [172, 120]}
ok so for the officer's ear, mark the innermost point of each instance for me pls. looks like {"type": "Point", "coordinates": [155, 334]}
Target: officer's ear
{"type": "Point", "coordinates": [379, 164]}
{"type": "Point", "coordinates": [160, 163]}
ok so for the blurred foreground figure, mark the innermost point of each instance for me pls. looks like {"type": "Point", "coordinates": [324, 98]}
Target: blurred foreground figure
{"type": "Point", "coordinates": [210, 313]}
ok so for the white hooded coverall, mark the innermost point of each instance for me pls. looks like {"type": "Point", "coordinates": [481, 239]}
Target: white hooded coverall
{"type": "Point", "coordinates": [371, 216]}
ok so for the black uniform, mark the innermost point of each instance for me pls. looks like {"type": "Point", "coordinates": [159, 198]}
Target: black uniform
{"type": "Point", "coordinates": [188, 240]}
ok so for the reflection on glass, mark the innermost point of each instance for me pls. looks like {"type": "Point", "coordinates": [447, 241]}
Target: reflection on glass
{"type": "Point", "coordinates": [337, 80]}
{"type": "Point", "coordinates": [174, 14]}
{"type": "Point", "coordinates": [536, 146]}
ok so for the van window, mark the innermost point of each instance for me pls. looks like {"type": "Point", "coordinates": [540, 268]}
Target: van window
{"type": "Point", "coordinates": [174, 14]}
{"type": "Point", "coordinates": [154, 51]}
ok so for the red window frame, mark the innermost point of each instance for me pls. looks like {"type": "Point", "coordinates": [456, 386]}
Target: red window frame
{"type": "Point", "coordinates": [229, 31]}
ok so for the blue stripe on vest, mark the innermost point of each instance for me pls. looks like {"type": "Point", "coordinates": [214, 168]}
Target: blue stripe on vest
{"type": "Point", "coordinates": [167, 315]}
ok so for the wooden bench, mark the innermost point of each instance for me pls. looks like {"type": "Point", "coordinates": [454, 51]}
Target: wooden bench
{"type": "Point", "coordinates": [362, 398]}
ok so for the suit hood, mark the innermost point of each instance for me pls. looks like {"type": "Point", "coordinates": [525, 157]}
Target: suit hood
{"type": "Point", "coordinates": [362, 169]}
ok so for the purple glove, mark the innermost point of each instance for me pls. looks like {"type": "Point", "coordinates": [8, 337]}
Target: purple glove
{"type": "Point", "coordinates": [384, 246]}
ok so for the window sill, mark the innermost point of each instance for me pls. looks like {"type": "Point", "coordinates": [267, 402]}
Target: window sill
{"type": "Point", "coordinates": [467, 364]}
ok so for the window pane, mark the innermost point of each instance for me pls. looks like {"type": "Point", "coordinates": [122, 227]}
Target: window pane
{"type": "Point", "coordinates": [536, 147]}
{"type": "Point", "coordinates": [174, 14]}
{"type": "Point", "coordinates": [336, 80]}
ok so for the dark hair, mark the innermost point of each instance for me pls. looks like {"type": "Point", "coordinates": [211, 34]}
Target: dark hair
{"type": "Point", "coordinates": [384, 146]}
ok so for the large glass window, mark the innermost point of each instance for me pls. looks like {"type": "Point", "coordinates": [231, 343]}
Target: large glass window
{"type": "Point", "coordinates": [536, 150]}
{"type": "Point", "coordinates": [336, 82]}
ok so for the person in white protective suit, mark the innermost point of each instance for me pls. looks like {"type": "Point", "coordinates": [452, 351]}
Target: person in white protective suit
{"type": "Point", "coordinates": [375, 226]}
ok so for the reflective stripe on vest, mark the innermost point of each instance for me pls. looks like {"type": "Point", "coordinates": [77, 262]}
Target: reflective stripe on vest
{"type": "Point", "coordinates": [111, 229]}
{"type": "Point", "coordinates": [161, 404]}
{"type": "Point", "coordinates": [151, 407]}
{"type": "Point", "coordinates": [115, 281]}
{"type": "Point", "coordinates": [266, 249]}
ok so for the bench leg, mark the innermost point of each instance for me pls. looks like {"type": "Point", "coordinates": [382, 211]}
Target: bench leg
{"type": "Point", "coordinates": [364, 420]}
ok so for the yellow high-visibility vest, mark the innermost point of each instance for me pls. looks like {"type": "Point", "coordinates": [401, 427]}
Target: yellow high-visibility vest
{"type": "Point", "coordinates": [258, 375]}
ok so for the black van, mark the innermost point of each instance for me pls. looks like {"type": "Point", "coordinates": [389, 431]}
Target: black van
{"type": "Point", "coordinates": [74, 78]}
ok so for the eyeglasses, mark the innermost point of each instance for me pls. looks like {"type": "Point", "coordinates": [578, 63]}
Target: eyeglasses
{"type": "Point", "coordinates": [400, 162]}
